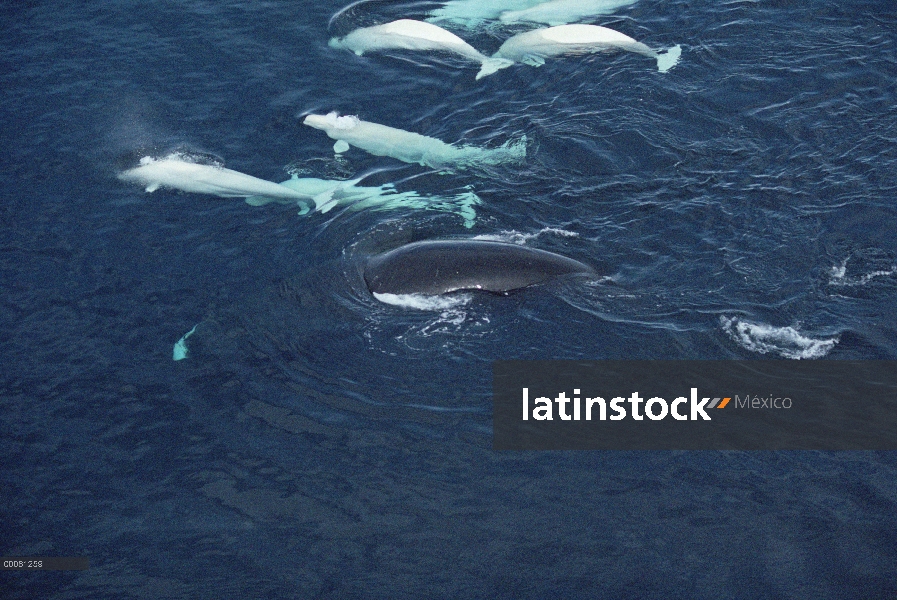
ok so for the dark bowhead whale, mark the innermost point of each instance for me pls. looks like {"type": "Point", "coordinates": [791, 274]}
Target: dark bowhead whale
{"type": "Point", "coordinates": [442, 266]}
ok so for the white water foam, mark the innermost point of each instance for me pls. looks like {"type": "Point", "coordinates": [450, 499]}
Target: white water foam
{"type": "Point", "coordinates": [838, 275]}
{"type": "Point", "coordinates": [515, 237]}
{"type": "Point", "coordinates": [423, 302]}
{"type": "Point", "coordinates": [344, 122]}
{"type": "Point", "coordinates": [785, 341]}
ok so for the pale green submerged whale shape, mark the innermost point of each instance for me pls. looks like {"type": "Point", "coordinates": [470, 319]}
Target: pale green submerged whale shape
{"type": "Point", "coordinates": [409, 147]}
{"type": "Point", "coordinates": [560, 12]}
{"type": "Point", "coordinates": [473, 13]}
{"type": "Point", "coordinates": [533, 47]}
{"type": "Point", "coordinates": [408, 34]}
{"type": "Point", "coordinates": [174, 172]}
{"type": "Point", "coordinates": [180, 351]}
{"type": "Point", "coordinates": [322, 195]}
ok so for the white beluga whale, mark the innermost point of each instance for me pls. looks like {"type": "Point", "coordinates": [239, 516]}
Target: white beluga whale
{"type": "Point", "coordinates": [408, 34]}
{"type": "Point", "coordinates": [560, 12]}
{"type": "Point", "coordinates": [177, 172]}
{"type": "Point", "coordinates": [323, 195]}
{"type": "Point", "coordinates": [409, 147]}
{"type": "Point", "coordinates": [533, 47]}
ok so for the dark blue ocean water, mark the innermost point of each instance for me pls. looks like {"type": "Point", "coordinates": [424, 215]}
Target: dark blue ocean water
{"type": "Point", "coordinates": [320, 444]}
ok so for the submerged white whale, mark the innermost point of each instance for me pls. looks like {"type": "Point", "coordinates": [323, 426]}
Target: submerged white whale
{"type": "Point", "coordinates": [560, 12]}
{"type": "Point", "coordinates": [533, 47]}
{"type": "Point", "coordinates": [322, 195]}
{"type": "Point", "coordinates": [408, 34]}
{"type": "Point", "coordinates": [474, 14]}
{"type": "Point", "coordinates": [173, 171]}
{"type": "Point", "coordinates": [409, 147]}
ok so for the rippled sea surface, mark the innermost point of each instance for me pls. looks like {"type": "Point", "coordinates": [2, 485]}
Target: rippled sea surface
{"type": "Point", "coordinates": [319, 443]}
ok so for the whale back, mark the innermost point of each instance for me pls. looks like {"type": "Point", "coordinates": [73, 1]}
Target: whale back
{"type": "Point", "coordinates": [423, 30]}
{"type": "Point", "coordinates": [444, 266]}
{"type": "Point", "coordinates": [407, 34]}
{"type": "Point", "coordinates": [584, 34]}
{"type": "Point", "coordinates": [532, 47]}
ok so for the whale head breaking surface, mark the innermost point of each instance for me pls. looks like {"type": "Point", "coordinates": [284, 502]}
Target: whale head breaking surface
{"type": "Point", "coordinates": [332, 121]}
{"type": "Point", "coordinates": [438, 267]}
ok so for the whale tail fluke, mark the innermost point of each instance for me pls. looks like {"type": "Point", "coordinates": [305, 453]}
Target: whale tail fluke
{"type": "Point", "coordinates": [512, 151]}
{"type": "Point", "coordinates": [667, 60]}
{"type": "Point", "coordinates": [491, 65]}
{"type": "Point", "coordinates": [294, 184]}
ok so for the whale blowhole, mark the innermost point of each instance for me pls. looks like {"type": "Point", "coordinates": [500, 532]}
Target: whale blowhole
{"type": "Point", "coordinates": [344, 122]}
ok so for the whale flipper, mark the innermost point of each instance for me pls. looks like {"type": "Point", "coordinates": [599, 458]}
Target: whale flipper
{"type": "Point", "coordinates": [667, 60]}
{"type": "Point", "coordinates": [341, 146]}
{"type": "Point", "coordinates": [493, 64]}
{"type": "Point", "coordinates": [325, 201]}
{"type": "Point", "coordinates": [533, 60]}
